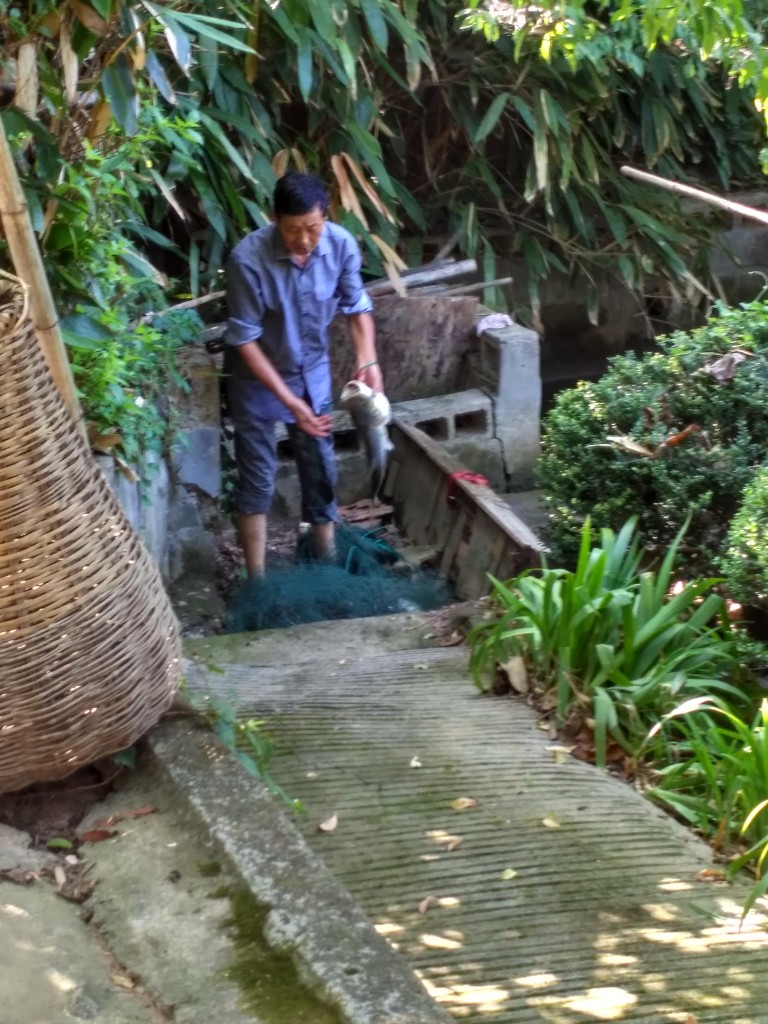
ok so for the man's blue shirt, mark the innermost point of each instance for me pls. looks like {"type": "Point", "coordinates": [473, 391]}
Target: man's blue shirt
{"type": "Point", "coordinates": [287, 309]}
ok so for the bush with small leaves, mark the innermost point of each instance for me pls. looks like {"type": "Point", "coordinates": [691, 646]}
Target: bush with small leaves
{"type": "Point", "coordinates": [672, 434]}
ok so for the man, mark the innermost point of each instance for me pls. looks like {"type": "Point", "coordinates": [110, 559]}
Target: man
{"type": "Point", "coordinates": [285, 284]}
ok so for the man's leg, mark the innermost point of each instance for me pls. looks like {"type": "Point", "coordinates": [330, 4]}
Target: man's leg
{"type": "Point", "coordinates": [253, 540]}
{"type": "Point", "coordinates": [316, 464]}
{"type": "Point", "coordinates": [256, 457]}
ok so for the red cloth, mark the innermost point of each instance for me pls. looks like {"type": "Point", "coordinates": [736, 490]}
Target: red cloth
{"type": "Point", "coordinates": [471, 478]}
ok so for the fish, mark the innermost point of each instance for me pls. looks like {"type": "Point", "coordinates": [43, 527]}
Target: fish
{"type": "Point", "coordinates": [370, 412]}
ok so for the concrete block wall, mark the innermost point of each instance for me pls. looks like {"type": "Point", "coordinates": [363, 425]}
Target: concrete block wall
{"type": "Point", "coordinates": [505, 363]}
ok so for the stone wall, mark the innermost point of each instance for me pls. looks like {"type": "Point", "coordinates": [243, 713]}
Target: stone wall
{"type": "Point", "coordinates": [174, 503]}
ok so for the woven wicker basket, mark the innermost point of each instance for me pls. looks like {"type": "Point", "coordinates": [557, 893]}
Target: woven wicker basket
{"type": "Point", "coordinates": [89, 644]}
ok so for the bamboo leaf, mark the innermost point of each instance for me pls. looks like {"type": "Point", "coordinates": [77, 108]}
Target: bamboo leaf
{"type": "Point", "coordinates": [88, 17]}
{"type": "Point", "coordinates": [208, 60]}
{"type": "Point", "coordinates": [389, 253]}
{"type": "Point", "coordinates": [541, 157]}
{"type": "Point", "coordinates": [83, 331]}
{"type": "Point", "coordinates": [120, 92]}
{"type": "Point", "coordinates": [491, 117]}
{"type": "Point", "coordinates": [377, 26]}
{"type": "Point", "coordinates": [157, 74]}
{"type": "Point", "coordinates": [347, 193]}
{"type": "Point", "coordinates": [104, 8]}
{"type": "Point", "coordinates": [304, 65]}
{"type": "Point", "coordinates": [525, 112]}
{"type": "Point", "coordinates": [168, 194]}
{"type": "Point", "coordinates": [348, 63]}
{"type": "Point", "coordinates": [101, 115]}
{"type": "Point", "coordinates": [27, 84]}
{"type": "Point", "coordinates": [179, 43]}
{"type": "Point", "coordinates": [233, 154]}
{"type": "Point", "coordinates": [413, 68]}
{"type": "Point", "coordinates": [70, 63]}
{"type": "Point", "coordinates": [369, 190]}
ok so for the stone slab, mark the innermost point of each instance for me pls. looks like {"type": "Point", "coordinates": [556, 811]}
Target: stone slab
{"type": "Point", "coordinates": [54, 970]}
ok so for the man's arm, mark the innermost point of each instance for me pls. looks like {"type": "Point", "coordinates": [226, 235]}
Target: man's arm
{"type": "Point", "coordinates": [362, 334]}
{"type": "Point", "coordinates": [263, 370]}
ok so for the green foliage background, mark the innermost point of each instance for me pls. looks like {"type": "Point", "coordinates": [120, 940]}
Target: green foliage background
{"type": "Point", "coordinates": [149, 135]}
{"type": "Point", "coordinates": [745, 559]}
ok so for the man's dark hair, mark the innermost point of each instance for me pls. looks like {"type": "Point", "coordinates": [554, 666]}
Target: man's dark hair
{"type": "Point", "coordinates": [296, 193]}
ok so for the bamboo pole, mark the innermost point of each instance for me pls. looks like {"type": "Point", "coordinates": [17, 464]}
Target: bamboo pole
{"type": "Point", "coordinates": [696, 193]}
{"type": "Point", "coordinates": [29, 267]}
{"type": "Point", "coordinates": [421, 276]}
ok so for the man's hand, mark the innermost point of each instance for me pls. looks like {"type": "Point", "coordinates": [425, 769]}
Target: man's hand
{"type": "Point", "coordinates": [371, 375]}
{"type": "Point", "coordinates": [306, 420]}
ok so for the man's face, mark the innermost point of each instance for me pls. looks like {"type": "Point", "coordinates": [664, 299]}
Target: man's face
{"type": "Point", "coordinates": [301, 232]}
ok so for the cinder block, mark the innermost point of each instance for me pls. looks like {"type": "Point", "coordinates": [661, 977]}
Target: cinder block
{"type": "Point", "coordinates": [448, 417]}
{"type": "Point", "coordinates": [506, 362]}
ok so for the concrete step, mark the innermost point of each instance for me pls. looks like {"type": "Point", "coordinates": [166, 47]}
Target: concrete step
{"type": "Point", "coordinates": [558, 894]}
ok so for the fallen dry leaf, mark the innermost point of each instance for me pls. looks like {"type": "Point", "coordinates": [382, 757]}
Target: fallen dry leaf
{"type": "Point", "coordinates": [123, 980]}
{"type": "Point", "coordinates": [113, 819]}
{"type": "Point", "coordinates": [18, 876]}
{"type": "Point", "coordinates": [455, 843]}
{"type": "Point", "coordinates": [414, 763]}
{"type": "Point", "coordinates": [560, 754]}
{"type": "Point", "coordinates": [551, 821]}
{"type": "Point", "coordinates": [421, 666]}
{"type": "Point", "coordinates": [329, 824]}
{"type": "Point", "coordinates": [711, 875]}
{"type": "Point", "coordinates": [426, 903]}
{"type": "Point", "coordinates": [98, 835]}
{"type": "Point", "coordinates": [517, 674]}
{"type": "Point", "coordinates": [508, 874]}
{"type": "Point", "coordinates": [724, 368]}
{"type": "Point", "coordinates": [463, 803]}
{"type": "Point", "coordinates": [452, 640]}
{"type": "Point", "coordinates": [60, 875]}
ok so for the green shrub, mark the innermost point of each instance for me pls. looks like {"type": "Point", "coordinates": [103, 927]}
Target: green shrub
{"type": "Point", "coordinates": [745, 561]}
{"type": "Point", "coordinates": [718, 780]}
{"type": "Point", "coordinates": [609, 639]}
{"type": "Point", "coordinates": [647, 401]}
{"type": "Point", "coordinates": [124, 378]}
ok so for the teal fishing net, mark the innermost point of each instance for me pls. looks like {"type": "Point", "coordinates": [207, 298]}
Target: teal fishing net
{"type": "Point", "coordinates": [368, 578]}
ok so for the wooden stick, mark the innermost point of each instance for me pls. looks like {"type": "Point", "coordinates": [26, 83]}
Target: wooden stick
{"type": "Point", "coordinates": [464, 289]}
{"type": "Point", "coordinates": [449, 246]}
{"type": "Point", "coordinates": [424, 276]}
{"type": "Point", "coordinates": [187, 304]}
{"type": "Point", "coordinates": [29, 267]}
{"type": "Point", "coordinates": [696, 193]}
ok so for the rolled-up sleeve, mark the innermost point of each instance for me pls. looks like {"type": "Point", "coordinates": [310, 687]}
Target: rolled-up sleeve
{"type": "Point", "coordinates": [245, 303]}
{"type": "Point", "coordinates": [353, 298]}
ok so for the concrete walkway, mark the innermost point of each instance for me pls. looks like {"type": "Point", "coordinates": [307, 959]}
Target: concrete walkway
{"type": "Point", "coordinates": [520, 886]}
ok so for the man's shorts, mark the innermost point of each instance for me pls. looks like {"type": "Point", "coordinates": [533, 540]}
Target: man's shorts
{"type": "Point", "coordinates": [258, 463]}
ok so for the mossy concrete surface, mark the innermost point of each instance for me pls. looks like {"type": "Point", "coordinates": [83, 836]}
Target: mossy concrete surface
{"type": "Point", "coordinates": [519, 884]}
{"type": "Point", "coordinates": [308, 914]}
